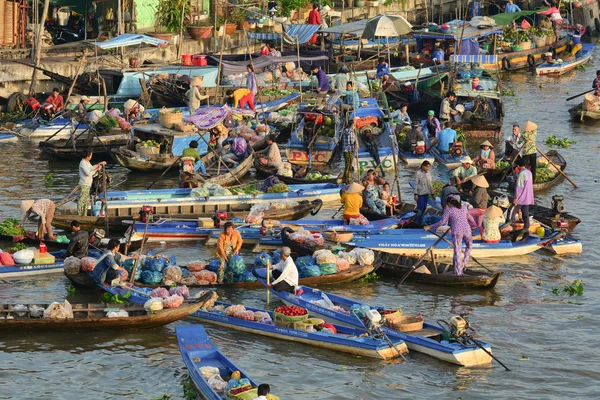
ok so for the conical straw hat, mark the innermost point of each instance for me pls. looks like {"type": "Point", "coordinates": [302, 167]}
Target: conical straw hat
{"type": "Point", "coordinates": [355, 188]}
{"type": "Point", "coordinates": [486, 143]}
{"type": "Point", "coordinates": [493, 212]}
{"type": "Point", "coordinates": [26, 205]}
{"type": "Point", "coordinates": [529, 127]}
{"type": "Point", "coordinates": [480, 181]}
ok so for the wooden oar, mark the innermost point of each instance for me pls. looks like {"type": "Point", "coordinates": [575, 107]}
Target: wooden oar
{"type": "Point", "coordinates": [221, 159]}
{"type": "Point", "coordinates": [472, 258]}
{"type": "Point", "coordinates": [135, 264]}
{"type": "Point", "coordinates": [558, 169]}
{"type": "Point", "coordinates": [580, 94]}
{"type": "Point", "coordinates": [163, 174]}
{"type": "Point", "coordinates": [420, 260]}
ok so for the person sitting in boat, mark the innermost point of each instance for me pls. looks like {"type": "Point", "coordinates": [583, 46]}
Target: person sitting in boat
{"type": "Point", "coordinates": [492, 219]}
{"type": "Point", "coordinates": [285, 273]}
{"type": "Point", "coordinates": [108, 267]}
{"type": "Point", "coordinates": [112, 110]}
{"type": "Point", "coordinates": [479, 199]}
{"type": "Point", "coordinates": [511, 147]}
{"type": "Point", "coordinates": [382, 68]}
{"type": "Point", "coordinates": [237, 150]}
{"type": "Point", "coordinates": [457, 216]}
{"type": "Point", "coordinates": [431, 126]}
{"type": "Point", "coordinates": [485, 158]}
{"type": "Point", "coordinates": [447, 110]}
{"type": "Point", "coordinates": [464, 173]}
{"type": "Point", "coordinates": [507, 209]}
{"type": "Point", "coordinates": [53, 104]}
{"type": "Point", "coordinates": [352, 199]}
{"type": "Point", "coordinates": [340, 79]}
{"type": "Point", "coordinates": [371, 183]}
{"type": "Point", "coordinates": [229, 243]}
{"type": "Point", "coordinates": [44, 209]}
{"type": "Point", "coordinates": [270, 156]}
{"type": "Point", "coordinates": [423, 189]}
{"type": "Point", "coordinates": [78, 246]}
{"type": "Point", "coordinates": [241, 97]}
{"type": "Point", "coordinates": [446, 138]}
{"type": "Point", "coordinates": [263, 392]}
{"type": "Point", "coordinates": [80, 113]}
{"type": "Point", "coordinates": [576, 38]}
{"type": "Point", "coordinates": [413, 137]}
{"type": "Point", "coordinates": [192, 152]}
{"type": "Point", "coordinates": [403, 117]}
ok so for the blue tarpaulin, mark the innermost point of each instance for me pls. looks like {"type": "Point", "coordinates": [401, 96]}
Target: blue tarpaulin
{"type": "Point", "coordinates": [129, 39]}
{"type": "Point", "coordinates": [300, 32]}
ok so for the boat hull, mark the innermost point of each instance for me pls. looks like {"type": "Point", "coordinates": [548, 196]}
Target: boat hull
{"type": "Point", "coordinates": [566, 66]}
{"type": "Point", "coordinates": [413, 160]}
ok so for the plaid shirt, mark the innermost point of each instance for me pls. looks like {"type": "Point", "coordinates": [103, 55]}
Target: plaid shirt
{"type": "Point", "coordinates": [348, 140]}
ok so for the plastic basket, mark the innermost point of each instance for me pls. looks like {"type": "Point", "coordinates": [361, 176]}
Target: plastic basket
{"type": "Point", "coordinates": [303, 325]}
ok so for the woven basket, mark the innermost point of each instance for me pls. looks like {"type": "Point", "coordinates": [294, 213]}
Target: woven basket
{"type": "Point", "coordinates": [168, 118]}
{"type": "Point", "coordinates": [407, 323]}
{"type": "Point", "coordinates": [393, 317]}
{"type": "Point", "coordinates": [303, 325]}
{"type": "Point", "coordinates": [146, 150]}
{"type": "Point", "coordinates": [338, 236]}
{"type": "Point", "coordinates": [288, 319]}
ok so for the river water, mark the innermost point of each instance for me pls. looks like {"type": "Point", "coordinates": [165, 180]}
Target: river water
{"type": "Point", "coordinates": [549, 341]}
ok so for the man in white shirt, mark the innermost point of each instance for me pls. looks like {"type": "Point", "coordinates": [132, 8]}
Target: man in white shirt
{"type": "Point", "coordinates": [285, 273]}
{"type": "Point", "coordinates": [263, 391]}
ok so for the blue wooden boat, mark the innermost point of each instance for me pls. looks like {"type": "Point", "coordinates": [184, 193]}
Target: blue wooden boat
{"type": "Point", "coordinates": [414, 242]}
{"type": "Point", "coordinates": [347, 340]}
{"type": "Point", "coordinates": [197, 351]}
{"type": "Point", "coordinates": [8, 137]}
{"type": "Point", "coordinates": [559, 68]}
{"type": "Point", "coordinates": [173, 230]}
{"type": "Point", "coordinates": [19, 271]}
{"type": "Point", "coordinates": [427, 340]}
{"type": "Point", "coordinates": [415, 160]}
{"type": "Point", "coordinates": [447, 160]}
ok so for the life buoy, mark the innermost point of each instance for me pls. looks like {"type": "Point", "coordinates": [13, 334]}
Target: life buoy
{"type": "Point", "coordinates": [531, 60]}
{"type": "Point", "coordinates": [597, 23]}
{"type": "Point", "coordinates": [506, 64]}
{"type": "Point", "coordinates": [569, 47]}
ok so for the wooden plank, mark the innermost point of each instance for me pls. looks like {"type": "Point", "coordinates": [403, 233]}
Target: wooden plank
{"type": "Point", "coordinates": [427, 332]}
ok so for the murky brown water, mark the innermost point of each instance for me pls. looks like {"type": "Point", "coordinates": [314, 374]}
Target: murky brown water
{"type": "Point", "coordinates": [521, 317]}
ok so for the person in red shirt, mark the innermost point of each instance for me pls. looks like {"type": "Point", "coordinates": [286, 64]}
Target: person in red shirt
{"type": "Point", "coordinates": [54, 103]}
{"type": "Point", "coordinates": [314, 18]}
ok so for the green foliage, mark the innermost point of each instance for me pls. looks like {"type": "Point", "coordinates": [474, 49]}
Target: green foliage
{"type": "Point", "coordinates": [189, 390]}
{"type": "Point", "coordinates": [48, 180]}
{"type": "Point", "coordinates": [507, 92]}
{"type": "Point", "coordinates": [11, 227]}
{"type": "Point", "coordinates": [114, 299]}
{"type": "Point", "coordinates": [574, 289]}
{"type": "Point", "coordinates": [289, 6]}
{"type": "Point", "coordinates": [502, 164]}
{"type": "Point", "coordinates": [580, 67]}
{"type": "Point", "coordinates": [370, 277]}
{"type": "Point", "coordinates": [71, 290]}
{"type": "Point", "coordinates": [17, 247]}
{"type": "Point", "coordinates": [168, 15]}
{"type": "Point", "coordinates": [559, 142]}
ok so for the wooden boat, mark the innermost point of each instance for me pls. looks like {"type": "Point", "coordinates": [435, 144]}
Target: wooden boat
{"type": "Point", "coordinates": [528, 58]}
{"type": "Point", "coordinates": [290, 180]}
{"type": "Point", "coordinates": [559, 68]}
{"type": "Point", "coordinates": [347, 340]}
{"type": "Point", "coordinates": [579, 114]}
{"type": "Point", "coordinates": [414, 160]}
{"type": "Point", "coordinates": [93, 316]}
{"type": "Point", "coordinates": [19, 270]}
{"type": "Point", "coordinates": [178, 203]}
{"type": "Point", "coordinates": [398, 265]}
{"type": "Point", "coordinates": [414, 243]}
{"type": "Point", "coordinates": [427, 340]}
{"type": "Point", "coordinates": [223, 176]}
{"type": "Point", "coordinates": [447, 160]}
{"type": "Point", "coordinates": [65, 149]}
{"type": "Point", "coordinates": [197, 351]}
{"type": "Point", "coordinates": [559, 161]}
{"type": "Point", "coordinates": [555, 220]}
{"type": "Point", "coordinates": [53, 245]}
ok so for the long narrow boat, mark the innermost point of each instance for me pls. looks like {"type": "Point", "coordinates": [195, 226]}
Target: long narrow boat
{"type": "Point", "coordinates": [53, 245]}
{"type": "Point", "coordinates": [414, 160]}
{"type": "Point", "coordinates": [268, 171]}
{"type": "Point", "coordinates": [198, 351]}
{"type": "Point", "coordinates": [93, 316]}
{"type": "Point", "coordinates": [559, 68]}
{"type": "Point", "coordinates": [19, 271]}
{"type": "Point", "coordinates": [64, 149]}
{"type": "Point", "coordinates": [347, 340]}
{"type": "Point", "coordinates": [172, 230]}
{"type": "Point", "coordinates": [414, 243]}
{"type": "Point", "coordinates": [579, 114]}
{"type": "Point", "coordinates": [427, 340]}
{"type": "Point", "coordinates": [448, 160]}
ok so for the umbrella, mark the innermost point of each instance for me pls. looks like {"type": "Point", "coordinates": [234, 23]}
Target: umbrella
{"type": "Point", "coordinates": [386, 26]}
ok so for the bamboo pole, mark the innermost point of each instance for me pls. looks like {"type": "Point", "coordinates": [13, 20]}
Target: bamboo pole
{"type": "Point", "coordinates": [38, 51]}
{"type": "Point", "coordinates": [79, 68]}
{"type": "Point", "coordinates": [180, 44]}
{"type": "Point", "coordinates": [558, 169]}
{"type": "Point", "coordinates": [299, 67]}
{"type": "Point", "coordinates": [262, 107]}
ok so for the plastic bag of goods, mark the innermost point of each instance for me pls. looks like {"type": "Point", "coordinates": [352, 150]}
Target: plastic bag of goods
{"type": "Point", "coordinates": [194, 266]}
{"type": "Point", "coordinates": [232, 384]}
{"type": "Point", "coordinates": [360, 310]}
{"type": "Point", "coordinates": [258, 315]}
{"type": "Point", "coordinates": [248, 277]}
{"type": "Point", "coordinates": [256, 214]}
{"type": "Point", "coordinates": [245, 315]}
{"type": "Point", "coordinates": [205, 275]}
{"type": "Point", "coordinates": [118, 314]}
{"type": "Point", "coordinates": [173, 301]}
{"type": "Point", "coordinates": [304, 261]}
{"type": "Point", "coordinates": [364, 256]}
{"type": "Point", "coordinates": [72, 265]}
{"type": "Point", "coordinates": [190, 280]}
{"type": "Point", "coordinates": [260, 261]}
{"type": "Point", "coordinates": [182, 291]}
{"type": "Point", "coordinates": [324, 257]}
{"type": "Point", "coordinates": [309, 271]}
{"type": "Point", "coordinates": [217, 383]}
{"type": "Point", "coordinates": [128, 266]}
{"type": "Point", "coordinates": [57, 310]}
{"type": "Point", "coordinates": [6, 260]}
{"type": "Point", "coordinates": [87, 263]}
{"type": "Point", "coordinates": [348, 256]}
{"type": "Point", "coordinates": [172, 273]}
{"type": "Point", "coordinates": [237, 265]}
{"type": "Point", "coordinates": [151, 277]}
{"type": "Point", "coordinates": [342, 265]}
{"type": "Point", "coordinates": [315, 240]}
{"type": "Point", "coordinates": [328, 269]}
{"type": "Point", "coordinates": [36, 311]}
{"type": "Point", "coordinates": [276, 257]}
{"type": "Point", "coordinates": [168, 283]}
{"type": "Point", "coordinates": [208, 372]}
{"type": "Point", "coordinates": [199, 192]}
{"type": "Point", "coordinates": [23, 256]}
{"type": "Point", "coordinates": [19, 307]}
{"type": "Point", "coordinates": [232, 309]}
{"type": "Point", "coordinates": [214, 266]}
{"type": "Point", "coordinates": [360, 220]}
{"type": "Point", "coordinates": [154, 264]}
{"type": "Point", "coordinates": [160, 293]}
{"type": "Point", "coordinates": [285, 172]}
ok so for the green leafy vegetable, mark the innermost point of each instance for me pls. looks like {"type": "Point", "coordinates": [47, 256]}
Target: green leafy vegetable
{"type": "Point", "coordinates": [574, 289]}
{"type": "Point", "coordinates": [559, 142]}
{"type": "Point", "coordinates": [12, 227]}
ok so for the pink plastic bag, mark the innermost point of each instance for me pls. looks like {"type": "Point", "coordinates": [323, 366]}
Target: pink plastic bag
{"type": "Point", "coordinates": [160, 292]}
{"type": "Point", "coordinates": [88, 264]}
{"type": "Point", "coordinates": [342, 264]}
{"type": "Point", "coordinates": [205, 275]}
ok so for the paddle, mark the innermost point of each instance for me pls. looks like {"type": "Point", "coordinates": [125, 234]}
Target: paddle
{"type": "Point", "coordinates": [420, 260]}
{"type": "Point", "coordinates": [416, 94]}
{"type": "Point", "coordinates": [163, 174]}
{"type": "Point", "coordinates": [336, 213]}
{"type": "Point", "coordinates": [221, 160]}
{"type": "Point", "coordinates": [580, 94]}
{"type": "Point", "coordinates": [472, 258]}
{"type": "Point", "coordinates": [558, 169]}
{"type": "Point", "coordinates": [135, 264]}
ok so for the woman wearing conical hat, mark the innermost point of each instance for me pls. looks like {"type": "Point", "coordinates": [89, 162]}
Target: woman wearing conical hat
{"type": "Point", "coordinates": [486, 158]}
{"type": "Point", "coordinates": [528, 147]}
{"type": "Point", "coordinates": [352, 199]}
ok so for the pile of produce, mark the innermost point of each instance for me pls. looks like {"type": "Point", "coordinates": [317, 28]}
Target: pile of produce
{"type": "Point", "coordinates": [278, 188]}
{"type": "Point", "coordinates": [325, 262]}
{"type": "Point", "coordinates": [276, 92]}
{"type": "Point", "coordinates": [106, 123]}
{"type": "Point", "coordinates": [248, 189]}
{"type": "Point", "coordinates": [307, 238]}
{"type": "Point", "coordinates": [437, 187]}
{"type": "Point", "coordinates": [544, 174]}
{"type": "Point", "coordinates": [210, 189]}
{"type": "Point", "coordinates": [316, 176]}
{"type": "Point", "coordinates": [291, 311]}
{"type": "Point", "coordinates": [327, 128]}
{"type": "Point", "coordinates": [12, 227]}
{"type": "Point", "coordinates": [502, 164]}
{"type": "Point", "coordinates": [149, 143]}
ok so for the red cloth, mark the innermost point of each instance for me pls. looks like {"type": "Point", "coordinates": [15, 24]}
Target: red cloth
{"type": "Point", "coordinates": [314, 18]}
{"type": "Point", "coordinates": [248, 99]}
{"type": "Point", "coordinates": [57, 102]}
{"type": "Point", "coordinates": [264, 51]}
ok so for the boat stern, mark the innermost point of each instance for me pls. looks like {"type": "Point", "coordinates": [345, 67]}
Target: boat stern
{"type": "Point", "coordinates": [389, 352]}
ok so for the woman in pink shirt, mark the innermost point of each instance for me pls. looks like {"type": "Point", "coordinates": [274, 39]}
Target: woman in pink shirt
{"type": "Point", "coordinates": [523, 192]}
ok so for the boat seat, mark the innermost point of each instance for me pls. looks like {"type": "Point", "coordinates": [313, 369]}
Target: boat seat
{"type": "Point", "coordinates": [427, 332]}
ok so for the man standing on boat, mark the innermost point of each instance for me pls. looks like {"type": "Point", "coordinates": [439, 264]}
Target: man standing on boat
{"type": "Point", "coordinates": [229, 243]}
{"type": "Point", "coordinates": [78, 246]}
{"type": "Point", "coordinates": [285, 273]}
{"type": "Point", "coordinates": [446, 109]}
{"type": "Point", "coordinates": [349, 148]}
{"type": "Point", "coordinates": [556, 18]}
{"type": "Point", "coordinates": [528, 146]}
{"type": "Point", "coordinates": [322, 79]}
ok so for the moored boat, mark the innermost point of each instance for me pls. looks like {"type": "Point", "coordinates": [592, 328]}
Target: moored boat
{"type": "Point", "coordinates": [415, 160]}
{"type": "Point", "coordinates": [101, 146]}
{"type": "Point", "coordinates": [448, 160]}
{"type": "Point", "coordinates": [560, 67]}
{"type": "Point", "coordinates": [346, 340]}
